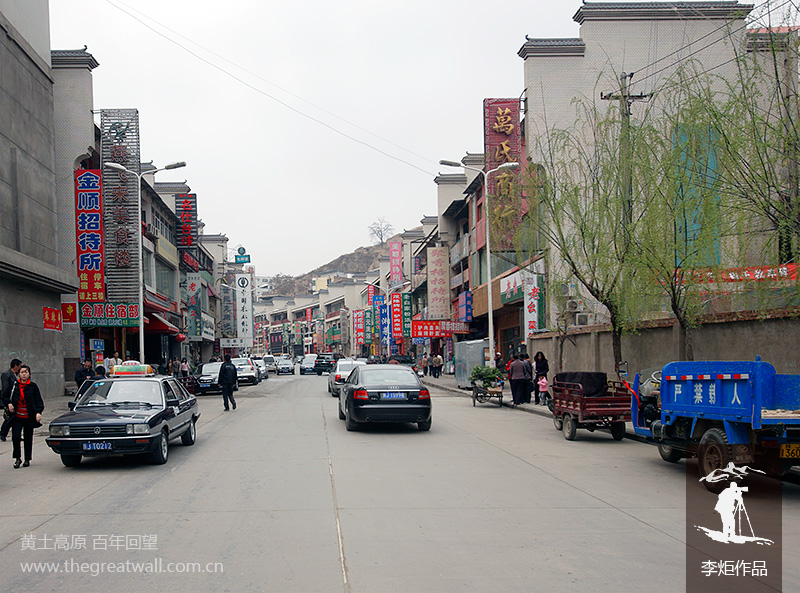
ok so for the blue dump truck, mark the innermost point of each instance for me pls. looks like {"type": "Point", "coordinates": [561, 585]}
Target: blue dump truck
{"type": "Point", "coordinates": [721, 412]}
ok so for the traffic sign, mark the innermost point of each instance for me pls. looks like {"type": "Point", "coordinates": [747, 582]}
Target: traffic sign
{"type": "Point", "coordinates": [242, 259]}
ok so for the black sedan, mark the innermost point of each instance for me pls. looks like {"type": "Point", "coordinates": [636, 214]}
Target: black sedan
{"type": "Point", "coordinates": [137, 413]}
{"type": "Point", "coordinates": [207, 376]}
{"type": "Point", "coordinates": [384, 393]}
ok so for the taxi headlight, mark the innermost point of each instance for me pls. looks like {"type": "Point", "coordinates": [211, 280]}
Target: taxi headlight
{"type": "Point", "coordinates": [59, 431]}
{"type": "Point", "coordinates": [141, 428]}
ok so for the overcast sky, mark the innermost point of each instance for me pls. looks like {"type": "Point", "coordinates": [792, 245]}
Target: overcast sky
{"type": "Point", "coordinates": [385, 81]}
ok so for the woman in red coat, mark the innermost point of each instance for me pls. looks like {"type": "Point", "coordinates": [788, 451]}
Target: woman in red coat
{"type": "Point", "coordinates": [27, 407]}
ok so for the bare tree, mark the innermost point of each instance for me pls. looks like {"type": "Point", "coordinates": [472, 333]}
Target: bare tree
{"type": "Point", "coordinates": [380, 231]}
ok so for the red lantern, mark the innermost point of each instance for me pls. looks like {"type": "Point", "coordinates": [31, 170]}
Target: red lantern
{"type": "Point", "coordinates": [180, 338]}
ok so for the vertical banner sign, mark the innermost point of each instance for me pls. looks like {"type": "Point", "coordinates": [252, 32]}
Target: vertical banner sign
{"type": "Point", "coordinates": [308, 314]}
{"type": "Point", "coordinates": [406, 314]}
{"type": "Point", "coordinates": [533, 299]}
{"type": "Point", "coordinates": [186, 207]}
{"type": "Point", "coordinates": [396, 302]}
{"type": "Point", "coordinates": [395, 263]}
{"type": "Point", "coordinates": [227, 323]}
{"type": "Point", "coordinates": [120, 144]}
{"type": "Point", "coordinates": [417, 265]}
{"type": "Point", "coordinates": [377, 301]}
{"type": "Point", "coordinates": [368, 325]}
{"type": "Point", "coordinates": [370, 294]}
{"type": "Point", "coordinates": [89, 235]}
{"type": "Point", "coordinates": [502, 143]}
{"type": "Point", "coordinates": [244, 309]}
{"type": "Point", "coordinates": [358, 327]}
{"type": "Point", "coordinates": [465, 306]}
{"type": "Point", "coordinates": [438, 283]}
{"type": "Point", "coordinates": [383, 315]}
{"type": "Point", "coordinates": [194, 311]}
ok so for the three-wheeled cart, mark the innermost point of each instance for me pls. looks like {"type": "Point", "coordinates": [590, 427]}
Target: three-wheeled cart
{"type": "Point", "coordinates": [590, 401]}
{"type": "Point", "coordinates": [483, 394]}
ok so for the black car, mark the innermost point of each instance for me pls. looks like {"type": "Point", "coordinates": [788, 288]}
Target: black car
{"type": "Point", "coordinates": [134, 411]}
{"type": "Point", "coordinates": [207, 377]}
{"type": "Point", "coordinates": [324, 363]}
{"type": "Point", "coordinates": [384, 393]}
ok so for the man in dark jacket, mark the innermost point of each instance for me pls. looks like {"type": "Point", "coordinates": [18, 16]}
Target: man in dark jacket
{"type": "Point", "coordinates": [83, 373]}
{"type": "Point", "coordinates": [7, 381]}
{"type": "Point", "coordinates": [227, 379]}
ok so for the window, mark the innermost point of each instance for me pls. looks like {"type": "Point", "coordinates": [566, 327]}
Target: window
{"type": "Point", "coordinates": [165, 279]}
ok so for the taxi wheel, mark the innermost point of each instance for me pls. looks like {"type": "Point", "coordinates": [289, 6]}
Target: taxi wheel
{"type": "Point", "coordinates": [160, 455]}
{"type": "Point", "coordinates": [71, 460]}
{"type": "Point", "coordinates": [190, 436]}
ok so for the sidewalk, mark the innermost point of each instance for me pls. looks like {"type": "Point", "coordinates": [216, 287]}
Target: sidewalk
{"type": "Point", "coordinates": [448, 383]}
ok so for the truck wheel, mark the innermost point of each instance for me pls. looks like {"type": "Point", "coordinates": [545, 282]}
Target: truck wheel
{"type": "Point", "coordinates": [569, 427]}
{"type": "Point", "coordinates": [669, 454]}
{"type": "Point", "coordinates": [714, 453]}
{"type": "Point", "coordinates": [618, 430]}
{"type": "Point", "coordinates": [558, 423]}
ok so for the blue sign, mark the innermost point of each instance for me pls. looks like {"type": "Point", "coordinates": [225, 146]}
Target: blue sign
{"type": "Point", "coordinates": [242, 259]}
{"type": "Point", "coordinates": [384, 322]}
{"type": "Point", "coordinates": [98, 345]}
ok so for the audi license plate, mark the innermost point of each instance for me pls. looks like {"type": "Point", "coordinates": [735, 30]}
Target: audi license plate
{"type": "Point", "coordinates": [101, 446]}
{"type": "Point", "coordinates": [790, 450]}
{"type": "Point", "coordinates": [393, 395]}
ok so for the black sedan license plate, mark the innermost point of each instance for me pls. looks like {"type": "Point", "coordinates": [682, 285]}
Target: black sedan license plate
{"type": "Point", "coordinates": [393, 395]}
{"type": "Point", "coordinates": [101, 446]}
{"type": "Point", "coordinates": [790, 450]}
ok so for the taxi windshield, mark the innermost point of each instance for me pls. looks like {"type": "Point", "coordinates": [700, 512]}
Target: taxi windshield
{"type": "Point", "coordinates": [122, 391]}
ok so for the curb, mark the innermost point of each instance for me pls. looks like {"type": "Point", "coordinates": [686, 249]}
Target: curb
{"type": "Point", "coordinates": [538, 410]}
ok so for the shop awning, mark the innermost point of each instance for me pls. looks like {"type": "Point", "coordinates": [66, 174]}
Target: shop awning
{"type": "Point", "coordinates": [158, 325]}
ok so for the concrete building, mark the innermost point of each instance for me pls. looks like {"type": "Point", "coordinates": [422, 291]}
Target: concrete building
{"type": "Point", "coordinates": [32, 275]}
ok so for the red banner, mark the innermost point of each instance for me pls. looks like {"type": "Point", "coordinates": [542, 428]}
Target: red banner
{"type": "Point", "coordinates": [52, 318]}
{"type": "Point", "coordinates": [69, 312]}
{"type": "Point", "coordinates": [437, 329]}
{"type": "Point", "coordinates": [370, 294]}
{"type": "Point", "coordinates": [308, 314]}
{"type": "Point", "coordinates": [89, 235]}
{"type": "Point", "coordinates": [358, 327]}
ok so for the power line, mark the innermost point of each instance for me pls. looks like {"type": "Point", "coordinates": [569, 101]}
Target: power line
{"type": "Point", "coordinates": [266, 94]}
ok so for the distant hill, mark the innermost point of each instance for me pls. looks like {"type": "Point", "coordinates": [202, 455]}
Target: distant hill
{"type": "Point", "coordinates": [362, 260]}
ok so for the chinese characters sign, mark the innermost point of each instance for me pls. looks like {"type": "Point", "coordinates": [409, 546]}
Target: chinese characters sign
{"type": "Point", "coordinates": [751, 274]}
{"type": "Point", "coordinates": [396, 303]}
{"type": "Point", "coordinates": [533, 303]}
{"type": "Point", "coordinates": [511, 287]}
{"type": "Point", "coordinates": [109, 314]}
{"type": "Point", "coordinates": [437, 329]}
{"type": "Point", "coordinates": [51, 318]}
{"type": "Point", "coordinates": [358, 327]}
{"type": "Point", "coordinates": [194, 312]}
{"type": "Point", "coordinates": [465, 306]}
{"type": "Point", "coordinates": [406, 314]}
{"type": "Point", "coordinates": [438, 283]}
{"type": "Point", "coordinates": [370, 294]}
{"type": "Point", "coordinates": [244, 308]}
{"type": "Point", "coordinates": [120, 144]}
{"type": "Point", "coordinates": [502, 142]}
{"type": "Point", "coordinates": [395, 263]}
{"type": "Point", "coordinates": [186, 207]}
{"type": "Point", "coordinates": [89, 235]}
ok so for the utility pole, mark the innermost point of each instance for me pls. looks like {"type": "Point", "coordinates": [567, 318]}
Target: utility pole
{"type": "Point", "coordinates": [626, 99]}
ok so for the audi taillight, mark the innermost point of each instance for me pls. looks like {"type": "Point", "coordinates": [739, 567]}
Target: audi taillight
{"type": "Point", "coordinates": [424, 394]}
{"type": "Point", "coordinates": [360, 394]}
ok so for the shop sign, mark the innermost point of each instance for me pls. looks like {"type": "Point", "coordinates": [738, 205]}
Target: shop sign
{"type": "Point", "coordinates": [244, 307]}
{"type": "Point", "coordinates": [438, 283]}
{"type": "Point", "coordinates": [395, 263]}
{"type": "Point", "coordinates": [383, 315]}
{"type": "Point", "coordinates": [511, 288]}
{"type": "Point", "coordinates": [166, 250]}
{"type": "Point", "coordinates": [396, 301]}
{"type": "Point", "coordinates": [465, 306]}
{"type": "Point", "coordinates": [309, 312]}
{"type": "Point", "coordinates": [120, 144]}
{"type": "Point", "coordinates": [437, 328]}
{"type": "Point", "coordinates": [358, 327]}
{"type": "Point", "coordinates": [368, 325]}
{"type": "Point", "coordinates": [190, 261]}
{"type": "Point", "coordinates": [406, 314]}
{"type": "Point", "coordinates": [233, 343]}
{"type": "Point", "coordinates": [370, 294]}
{"type": "Point", "coordinates": [69, 312]}
{"type": "Point", "coordinates": [194, 311]}
{"type": "Point", "coordinates": [109, 314]}
{"type": "Point", "coordinates": [89, 235]}
{"type": "Point", "coordinates": [750, 274]}
{"type": "Point", "coordinates": [208, 327]}
{"type": "Point", "coordinates": [534, 304]}
{"type": "Point", "coordinates": [186, 209]}
{"type": "Point", "coordinates": [51, 318]}
{"type": "Point", "coordinates": [502, 142]}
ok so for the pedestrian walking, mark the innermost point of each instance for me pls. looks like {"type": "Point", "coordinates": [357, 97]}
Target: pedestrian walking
{"type": "Point", "coordinates": [540, 369]}
{"type": "Point", "coordinates": [26, 406]}
{"type": "Point", "coordinates": [438, 362]}
{"type": "Point", "coordinates": [424, 363]}
{"type": "Point", "coordinates": [184, 368]}
{"type": "Point", "coordinates": [83, 373]}
{"type": "Point", "coordinates": [112, 361]}
{"type": "Point", "coordinates": [176, 367]}
{"type": "Point", "coordinates": [227, 381]}
{"type": "Point", "coordinates": [526, 360]}
{"type": "Point", "coordinates": [516, 376]}
{"type": "Point", "coordinates": [498, 361]}
{"type": "Point", "coordinates": [7, 380]}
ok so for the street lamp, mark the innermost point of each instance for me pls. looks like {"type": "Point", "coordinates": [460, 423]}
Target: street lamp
{"type": "Point", "coordinates": [488, 245]}
{"type": "Point", "coordinates": [118, 167]}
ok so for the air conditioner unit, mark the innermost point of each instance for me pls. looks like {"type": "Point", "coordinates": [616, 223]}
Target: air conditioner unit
{"type": "Point", "coordinates": [572, 305]}
{"type": "Point", "coordinates": [584, 319]}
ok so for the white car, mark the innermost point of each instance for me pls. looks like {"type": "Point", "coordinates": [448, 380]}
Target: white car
{"type": "Point", "coordinates": [338, 375]}
{"type": "Point", "coordinates": [269, 361]}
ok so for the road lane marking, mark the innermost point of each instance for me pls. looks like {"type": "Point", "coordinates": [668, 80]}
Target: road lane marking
{"type": "Point", "coordinates": [342, 561]}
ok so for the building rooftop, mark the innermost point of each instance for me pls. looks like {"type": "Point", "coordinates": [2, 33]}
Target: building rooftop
{"type": "Point", "coordinates": [72, 58]}
{"type": "Point", "coordinates": [672, 11]}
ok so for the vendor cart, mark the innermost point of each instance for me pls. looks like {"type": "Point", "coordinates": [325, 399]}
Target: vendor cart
{"type": "Point", "coordinates": [590, 401]}
{"type": "Point", "coordinates": [483, 394]}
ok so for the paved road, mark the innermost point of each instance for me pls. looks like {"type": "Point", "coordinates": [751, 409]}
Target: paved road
{"type": "Point", "coordinates": [286, 501]}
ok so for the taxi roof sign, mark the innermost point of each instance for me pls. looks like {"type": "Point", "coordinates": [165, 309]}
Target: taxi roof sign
{"type": "Point", "coordinates": [132, 368]}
